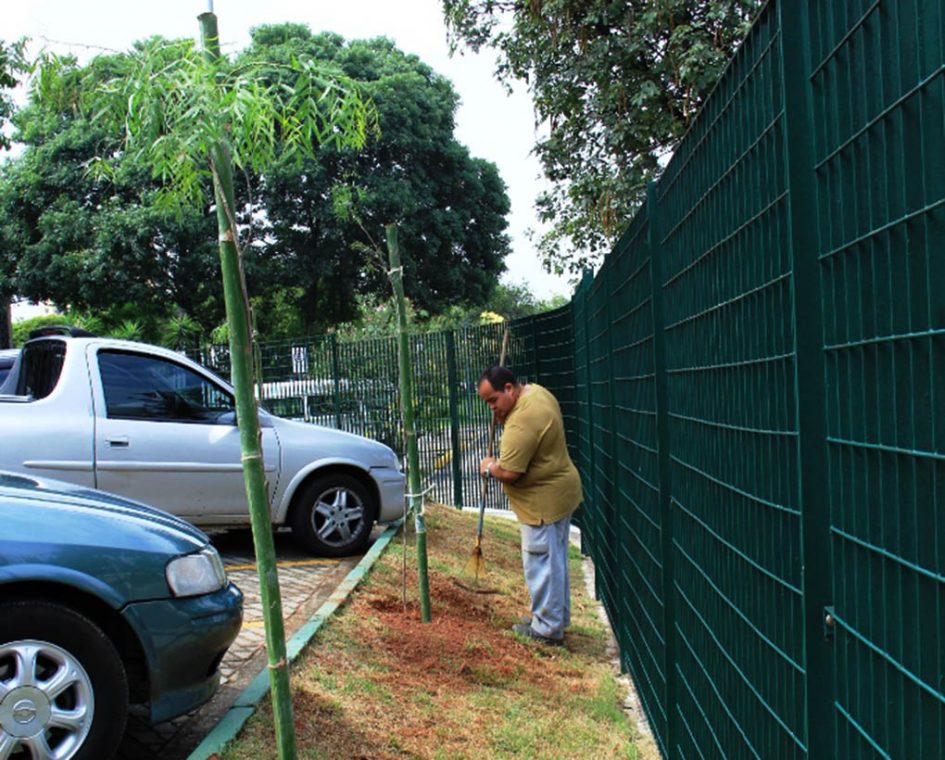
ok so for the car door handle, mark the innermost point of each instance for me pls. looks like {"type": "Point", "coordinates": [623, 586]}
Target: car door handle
{"type": "Point", "coordinates": [118, 443]}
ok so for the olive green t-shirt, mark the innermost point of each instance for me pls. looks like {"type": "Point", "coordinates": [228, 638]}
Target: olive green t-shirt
{"type": "Point", "coordinates": [533, 443]}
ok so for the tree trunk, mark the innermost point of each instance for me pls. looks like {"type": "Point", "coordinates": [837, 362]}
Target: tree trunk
{"type": "Point", "coordinates": [6, 324]}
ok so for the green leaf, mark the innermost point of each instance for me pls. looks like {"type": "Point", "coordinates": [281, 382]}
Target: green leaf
{"type": "Point", "coordinates": [615, 84]}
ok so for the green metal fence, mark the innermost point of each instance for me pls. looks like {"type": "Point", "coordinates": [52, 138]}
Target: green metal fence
{"type": "Point", "coordinates": [879, 172]}
{"type": "Point", "coordinates": [352, 385]}
{"type": "Point", "coordinates": [760, 420]}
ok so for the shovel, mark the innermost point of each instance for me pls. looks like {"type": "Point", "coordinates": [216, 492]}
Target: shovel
{"type": "Point", "coordinates": [476, 565]}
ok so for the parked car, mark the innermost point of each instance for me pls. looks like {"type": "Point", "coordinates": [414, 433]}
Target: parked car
{"type": "Point", "coordinates": [149, 424]}
{"type": "Point", "coordinates": [7, 360]}
{"type": "Point", "coordinates": [103, 602]}
{"type": "Point", "coordinates": [314, 400]}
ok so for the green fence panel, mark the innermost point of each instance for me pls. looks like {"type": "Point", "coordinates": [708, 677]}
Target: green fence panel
{"type": "Point", "coordinates": [352, 385]}
{"type": "Point", "coordinates": [798, 233]}
{"type": "Point", "coordinates": [878, 94]}
{"type": "Point", "coordinates": [579, 427]}
{"type": "Point", "coordinates": [600, 484]}
{"type": "Point", "coordinates": [727, 293]}
{"type": "Point", "coordinates": [639, 614]}
{"type": "Point", "coordinates": [477, 348]}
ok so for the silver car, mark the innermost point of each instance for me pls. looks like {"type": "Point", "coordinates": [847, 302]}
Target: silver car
{"type": "Point", "coordinates": [149, 424]}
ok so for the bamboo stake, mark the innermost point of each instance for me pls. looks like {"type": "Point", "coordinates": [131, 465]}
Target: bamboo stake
{"type": "Point", "coordinates": [241, 358]}
{"type": "Point", "coordinates": [414, 499]}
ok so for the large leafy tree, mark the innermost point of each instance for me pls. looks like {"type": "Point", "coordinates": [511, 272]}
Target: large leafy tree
{"type": "Point", "coordinates": [100, 242]}
{"type": "Point", "coordinates": [615, 84]}
{"type": "Point", "coordinates": [449, 207]}
{"type": "Point", "coordinates": [12, 65]}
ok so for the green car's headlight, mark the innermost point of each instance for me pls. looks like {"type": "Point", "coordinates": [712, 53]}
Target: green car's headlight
{"type": "Point", "coordinates": [194, 574]}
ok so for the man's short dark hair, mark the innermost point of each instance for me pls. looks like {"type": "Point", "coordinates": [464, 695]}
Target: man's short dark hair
{"type": "Point", "coordinates": [498, 377]}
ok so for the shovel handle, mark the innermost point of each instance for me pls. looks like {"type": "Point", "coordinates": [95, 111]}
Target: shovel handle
{"type": "Point", "coordinates": [505, 345]}
{"type": "Point", "coordinates": [485, 481]}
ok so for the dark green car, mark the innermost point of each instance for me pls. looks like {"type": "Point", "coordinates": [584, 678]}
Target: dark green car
{"type": "Point", "coordinates": [103, 602]}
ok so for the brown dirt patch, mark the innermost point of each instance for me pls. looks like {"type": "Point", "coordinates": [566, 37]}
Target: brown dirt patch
{"type": "Point", "coordinates": [378, 682]}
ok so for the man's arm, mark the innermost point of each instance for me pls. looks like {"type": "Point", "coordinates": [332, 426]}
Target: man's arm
{"type": "Point", "coordinates": [489, 467]}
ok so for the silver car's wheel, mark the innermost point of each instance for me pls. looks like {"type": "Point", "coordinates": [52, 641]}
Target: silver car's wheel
{"type": "Point", "coordinates": [333, 516]}
{"type": "Point", "coordinates": [53, 664]}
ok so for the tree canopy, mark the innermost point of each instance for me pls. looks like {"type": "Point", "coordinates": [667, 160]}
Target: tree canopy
{"type": "Point", "coordinates": [615, 85]}
{"type": "Point", "coordinates": [99, 244]}
{"type": "Point", "coordinates": [450, 208]}
{"type": "Point", "coordinates": [12, 65]}
{"type": "Point", "coordinates": [101, 241]}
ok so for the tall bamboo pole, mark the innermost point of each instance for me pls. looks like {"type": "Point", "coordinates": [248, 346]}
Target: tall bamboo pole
{"type": "Point", "coordinates": [241, 358]}
{"type": "Point", "coordinates": [414, 499]}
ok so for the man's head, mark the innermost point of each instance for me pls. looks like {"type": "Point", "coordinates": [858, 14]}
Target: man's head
{"type": "Point", "coordinates": [500, 390]}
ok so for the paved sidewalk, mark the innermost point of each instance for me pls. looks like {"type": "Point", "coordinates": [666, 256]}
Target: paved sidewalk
{"type": "Point", "coordinates": [305, 583]}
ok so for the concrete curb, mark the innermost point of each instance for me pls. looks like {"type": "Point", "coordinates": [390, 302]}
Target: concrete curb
{"type": "Point", "coordinates": [245, 705]}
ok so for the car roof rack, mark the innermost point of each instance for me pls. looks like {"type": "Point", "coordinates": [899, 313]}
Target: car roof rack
{"type": "Point", "coordinates": [65, 330]}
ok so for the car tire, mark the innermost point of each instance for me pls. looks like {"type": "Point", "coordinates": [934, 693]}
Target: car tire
{"type": "Point", "coordinates": [55, 661]}
{"type": "Point", "coordinates": [333, 516]}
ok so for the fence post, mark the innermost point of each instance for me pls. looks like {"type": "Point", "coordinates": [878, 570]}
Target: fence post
{"type": "Point", "coordinates": [809, 375]}
{"type": "Point", "coordinates": [664, 469]}
{"type": "Point", "coordinates": [536, 361]}
{"type": "Point", "coordinates": [608, 459]}
{"type": "Point", "coordinates": [336, 377]}
{"type": "Point", "coordinates": [452, 379]}
{"type": "Point", "coordinates": [589, 492]}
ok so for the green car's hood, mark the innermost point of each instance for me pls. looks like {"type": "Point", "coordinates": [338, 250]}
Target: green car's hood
{"type": "Point", "coordinates": [99, 542]}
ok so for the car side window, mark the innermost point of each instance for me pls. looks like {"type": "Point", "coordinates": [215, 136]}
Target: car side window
{"type": "Point", "coordinates": [139, 387]}
{"type": "Point", "coordinates": [41, 367]}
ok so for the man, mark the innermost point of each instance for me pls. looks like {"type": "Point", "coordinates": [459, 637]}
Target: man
{"type": "Point", "coordinates": [543, 488]}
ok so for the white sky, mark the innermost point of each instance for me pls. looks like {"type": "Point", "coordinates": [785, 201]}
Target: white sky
{"type": "Point", "coordinates": [494, 126]}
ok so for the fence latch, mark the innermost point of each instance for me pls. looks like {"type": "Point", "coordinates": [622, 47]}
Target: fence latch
{"type": "Point", "coordinates": [830, 623]}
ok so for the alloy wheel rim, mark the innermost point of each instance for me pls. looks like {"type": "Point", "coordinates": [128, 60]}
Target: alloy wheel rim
{"type": "Point", "coordinates": [46, 701]}
{"type": "Point", "coordinates": [338, 516]}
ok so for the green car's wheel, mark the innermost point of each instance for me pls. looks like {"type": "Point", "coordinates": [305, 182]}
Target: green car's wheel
{"type": "Point", "coordinates": [63, 688]}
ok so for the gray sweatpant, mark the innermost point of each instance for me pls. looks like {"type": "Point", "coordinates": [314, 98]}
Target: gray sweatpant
{"type": "Point", "coordinates": [545, 561]}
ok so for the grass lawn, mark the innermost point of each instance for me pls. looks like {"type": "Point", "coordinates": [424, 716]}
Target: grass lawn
{"type": "Point", "coordinates": [376, 682]}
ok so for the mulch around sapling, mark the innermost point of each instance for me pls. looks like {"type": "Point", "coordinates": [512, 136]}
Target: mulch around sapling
{"type": "Point", "coordinates": [377, 682]}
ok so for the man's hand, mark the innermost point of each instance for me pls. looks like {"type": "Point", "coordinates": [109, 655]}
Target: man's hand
{"type": "Point", "coordinates": [489, 467]}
